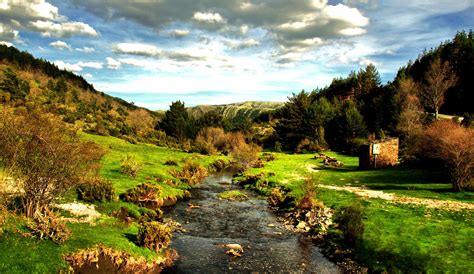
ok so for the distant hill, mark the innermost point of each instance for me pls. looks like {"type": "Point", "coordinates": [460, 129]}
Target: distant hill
{"type": "Point", "coordinates": [237, 112]}
{"type": "Point", "coordinates": [26, 81]}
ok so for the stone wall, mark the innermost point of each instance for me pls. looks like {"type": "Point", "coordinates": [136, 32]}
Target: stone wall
{"type": "Point", "coordinates": [388, 154]}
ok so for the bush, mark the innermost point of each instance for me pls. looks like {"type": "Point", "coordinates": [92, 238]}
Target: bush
{"type": "Point", "coordinates": [308, 201]}
{"type": "Point", "coordinates": [96, 190]}
{"type": "Point", "coordinates": [3, 216]}
{"type": "Point", "coordinates": [49, 226]}
{"type": "Point", "coordinates": [277, 196]}
{"type": "Point", "coordinates": [171, 163]}
{"type": "Point", "coordinates": [277, 146]}
{"type": "Point", "coordinates": [308, 146]}
{"type": "Point", "coordinates": [218, 165]}
{"type": "Point", "coordinates": [349, 221]}
{"type": "Point", "coordinates": [454, 146]}
{"type": "Point", "coordinates": [154, 236]}
{"type": "Point", "coordinates": [130, 166]}
{"type": "Point", "coordinates": [143, 194]}
{"type": "Point", "coordinates": [192, 173]}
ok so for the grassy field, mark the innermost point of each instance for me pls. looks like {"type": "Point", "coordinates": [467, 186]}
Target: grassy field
{"type": "Point", "coordinates": [397, 237]}
{"type": "Point", "coordinates": [26, 255]}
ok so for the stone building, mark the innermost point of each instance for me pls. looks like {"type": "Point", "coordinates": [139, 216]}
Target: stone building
{"type": "Point", "coordinates": [378, 154]}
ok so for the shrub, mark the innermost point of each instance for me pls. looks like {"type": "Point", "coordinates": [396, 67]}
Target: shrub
{"type": "Point", "coordinates": [45, 155]}
{"type": "Point", "coordinates": [49, 226]}
{"type": "Point", "coordinates": [454, 145]}
{"type": "Point", "coordinates": [210, 140]}
{"type": "Point", "coordinates": [218, 165]}
{"type": "Point", "coordinates": [171, 163]}
{"type": "Point", "coordinates": [3, 216]}
{"type": "Point", "coordinates": [308, 201]}
{"type": "Point", "coordinates": [96, 190]}
{"type": "Point", "coordinates": [277, 196]}
{"type": "Point", "coordinates": [130, 166]}
{"type": "Point", "coordinates": [349, 221]}
{"type": "Point", "coordinates": [142, 195]}
{"type": "Point", "coordinates": [308, 146]}
{"type": "Point", "coordinates": [277, 146]}
{"type": "Point", "coordinates": [192, 173]}
{"type": "Point", "coordinates": [243, 154]}
{"type": "Point", "coordinates": [154, 236]}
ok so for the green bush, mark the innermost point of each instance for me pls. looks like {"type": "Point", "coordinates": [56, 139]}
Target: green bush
{"type": "Point", "coordinates": [349, 221]}
{"type": "Point", "coordinates": [49, 226]}
{"type": "Point", "coordinates": [154, 236]}
{"type": "Point", "coordinates": [96, 190]}
{"type": "Point", "coordinates": [130, 166]}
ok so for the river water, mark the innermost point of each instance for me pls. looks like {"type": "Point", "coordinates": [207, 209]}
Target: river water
{"type": "Point", "coordinates": [211, 223]}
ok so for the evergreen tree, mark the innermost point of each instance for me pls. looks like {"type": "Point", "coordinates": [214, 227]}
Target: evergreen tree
{"type": "Point", "coordinates": [176, 122]}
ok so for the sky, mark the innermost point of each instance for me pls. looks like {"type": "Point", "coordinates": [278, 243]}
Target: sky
{"type": "Point", "coordinates": [153, 52]}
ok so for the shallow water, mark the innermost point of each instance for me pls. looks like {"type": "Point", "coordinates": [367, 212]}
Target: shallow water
{"type": "Point", "coordinates": [215, 223]}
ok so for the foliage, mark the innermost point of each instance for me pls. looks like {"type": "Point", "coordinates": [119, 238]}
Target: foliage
{"type": "Point", "coordinates": [346, 127]}
{"type": "Point", "coordinates": [437, 80]}
{"type": "Point", "coordinates": [276, 197]}
{"type": "Point", "coordinates": [243, 155]}
{"type": "Point", "coordinates": [154, 236]}
{"type": "Point", "coordinates": [232, 195]}
{"type": "Point", "coordinates": [171, 163]}
{"type": "Point", "coordinates": [308, 200]}
{"type": "Point", "coordinates": [96, 190]}
{"type": "Point", "coordinates": [210, 140]}
{"type": "Point", "coordinates": [349, 221]}
{"type": "Point", "coordinates": [48, 225]}
{"type": "Point", "coordinates": [45, 156]}
{"type": "Point", "coordinates": [142, 194]}
{"type": "Point", "coordinates": [12, 87]}
{"type": "Point", "coordinates": [130, 166]}
{"type": "Point", "coordinates": [3, 216]}
{"type": "Point", "coordinates": [454, 145]}
{"type": "Point", "coordinates": [191, 174]}
{"type": "Point", "coordinates": [177, 123]}
{"type": "Point", "coordinates": [218, 165]}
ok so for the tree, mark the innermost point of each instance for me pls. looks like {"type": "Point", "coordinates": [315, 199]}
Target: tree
{"type": "Point", "coordinates": [410, 122]}
{"type": "Point", "coordinates": [346, 126]}
{"type": "Point", "coordinates": [176, 122]}
{"type": "Point", "coordinates": [454, 145]}
{"type": "Point", "coordinates": [16, 87]}
{"type": "Point", "coordinates": [438, 79]}
{"type": "Point", "coordinates": [44, 157]}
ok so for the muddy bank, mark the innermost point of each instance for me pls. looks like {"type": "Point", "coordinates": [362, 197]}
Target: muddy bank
{"type": "Point", "coordinates": [210, 223]}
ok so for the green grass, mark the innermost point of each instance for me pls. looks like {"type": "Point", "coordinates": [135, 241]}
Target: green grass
{"type": "Point", "coordinates": [232, 195]}
{"type": "Point", "coordinates": [404, 238]}
{"type": "Point", "coordinates": [25, 255]}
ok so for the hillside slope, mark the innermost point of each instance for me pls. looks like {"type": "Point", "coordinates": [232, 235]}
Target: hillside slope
{"type": "Point", "coordinates": [237, 112]}
{"type": "Point", "coordinates": [27, 82]}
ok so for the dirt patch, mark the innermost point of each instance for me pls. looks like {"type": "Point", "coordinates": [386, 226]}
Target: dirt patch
{"type": "Point", "coordinates": [377, 194]}
{"type": "Point", "coordinates": [312, 168]}
{"type": "Point", "coordinates": [83, 213]}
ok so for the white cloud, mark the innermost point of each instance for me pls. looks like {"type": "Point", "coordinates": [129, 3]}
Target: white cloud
{"type": "Point", "coordinates": [365, 62]}
{"type": "Point", "coordinates": [347, 14]}
{"type": "Point", "coordinates": [86, 49]}
{"type": "Point", "coordinates": [60, 45]}
{"type": "Point", "coordinates": [179, 33]}
{"type": "Point", "coordinates": [95, 65]}
{"type": "Point", "coordinates": [8, 44]}
{"type": "Point", "coordinates": [8, 33]}
{"type": "Point", "coordinates": [112, 63]}
{"type": "Point", "coordinates": [236, 44]}
{"type": "Point", "coordinates": [353, 31]}
{"type": "Point", "coordinates": [68, 66]}
{"type": "Point", "coordinates": [68, 29]}
{"type": "Point", "coordinates": [137, 49]}
{"type": "Point", "coordinates": [31, 8]}
{"type": "Point", "coordinates": [208, 17]}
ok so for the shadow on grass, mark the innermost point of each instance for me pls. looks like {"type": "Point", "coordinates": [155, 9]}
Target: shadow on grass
{"type": "Point", "coordinates": [131, 237]}
{"type": "Point", "coordinates": [404, 261]}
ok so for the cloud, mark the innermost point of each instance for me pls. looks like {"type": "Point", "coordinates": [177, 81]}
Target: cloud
{"type": "Point", "coordinates": [68, 29]}
{"type": "Point", "coordinates": [208, 17]}
{"type": "Point", "coordinates": [138, 49]}
{"type": "Point", "coordinates": [40, 16]}
{"type": "Point", "coordinates": [60, 45]}
{"type": "Point", "coordinates": [68, 66]}
{"type": "Point", "coordinates": [249, 43]}
{"type": "Point", "coordinates": [95, 65]}
{"type": "Point", "coordinates": [179, 33]}
{"type": "Point", "coordinates": [86, 49]}
{"type": "Point", "coordinates": [286, 25]}
{"type": "Point", "coordinates": [112, 63]}
{"type": "Point", "coordinates": [7, 33]}
{"type": "Point", "coordinates": [8, 44]}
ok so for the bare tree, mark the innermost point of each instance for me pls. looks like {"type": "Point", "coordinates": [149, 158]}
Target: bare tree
{"type": "Point", "coordinates": [410, 122]}
{"type": "Point", "coordinates": [438, 79]}
{"type": "Point", "coordinates": [454, 145]}
{"type": "Point", "coordinates": [43, 156]}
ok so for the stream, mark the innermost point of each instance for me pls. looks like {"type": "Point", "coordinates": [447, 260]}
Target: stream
{"type": "Point", "coordinates": [211, 223]}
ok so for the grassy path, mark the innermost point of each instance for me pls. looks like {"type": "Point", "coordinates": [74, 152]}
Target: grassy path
{"type": "Point", "coordinates": [432, 203]}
